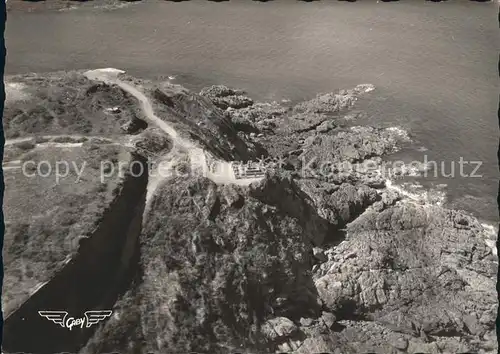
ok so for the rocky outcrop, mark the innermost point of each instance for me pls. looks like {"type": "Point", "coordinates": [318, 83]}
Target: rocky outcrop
{"type": "Point", "coordinates": [199, 118]}
{"type": "Point", "coordinates": [225, 97]}
{"type": "Point", "coordinates": [227, 261]}
{"type": "Point", "coordinates": [324, 254]}
{"type": "Point", "coordinates": [333, 102]}
{"type": "Point", "coordinates": [419, 270]}
{"type": "Point", "coordinates": [233, 270]}
{"type": "Point", "coordinates": [317, 262]}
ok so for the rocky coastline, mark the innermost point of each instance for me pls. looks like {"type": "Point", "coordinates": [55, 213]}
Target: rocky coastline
{"type": "Point", "coordinates": [321, 254]}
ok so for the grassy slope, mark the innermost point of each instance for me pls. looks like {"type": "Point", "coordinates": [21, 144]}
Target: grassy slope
{"type": "Point", "coordinates": [45, 219]}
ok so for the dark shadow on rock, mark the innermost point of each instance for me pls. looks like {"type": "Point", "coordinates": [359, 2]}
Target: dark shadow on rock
{"type": "Point", "coordinates": [227, 259]}
{"type": "Point", "coordinates": [335, 237]}
{"type": "Point", "coordinates": [93, 280]}
{"type": "Point", "coordinates": [245, 127]}
{"type": "Point", "coordinates": [284, 194]}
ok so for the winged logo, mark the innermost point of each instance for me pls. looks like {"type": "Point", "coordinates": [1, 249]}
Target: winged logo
{"type": "Point", "coordinates": [57, 317]}
{"type": "Point", "coordinates": [61, 318]}
{"type": "Point", "coordinates": [93, 317]}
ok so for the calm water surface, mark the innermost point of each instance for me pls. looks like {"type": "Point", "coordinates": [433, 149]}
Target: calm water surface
{"type": "Point", "coordinates": [434, 64]}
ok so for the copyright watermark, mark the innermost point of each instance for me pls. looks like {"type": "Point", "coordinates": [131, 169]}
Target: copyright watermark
{"type": "Point", "coordinates": [74, 171]}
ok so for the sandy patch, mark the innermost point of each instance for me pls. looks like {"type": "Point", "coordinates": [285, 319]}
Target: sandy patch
{"type": "Point", "coordinates": [15, 91]}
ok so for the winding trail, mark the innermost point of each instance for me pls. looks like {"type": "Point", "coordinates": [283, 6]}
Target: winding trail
{"type": "Point", "coordinates": [220, 171]}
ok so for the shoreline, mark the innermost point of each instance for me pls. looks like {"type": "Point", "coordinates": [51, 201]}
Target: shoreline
{"type": "Point", "coordinates": [355, 219]}
{"type": "Point", "coordinates": [414, 187]}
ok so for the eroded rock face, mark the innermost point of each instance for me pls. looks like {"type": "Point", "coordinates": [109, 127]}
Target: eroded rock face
{"type": "Point", "coordinates": [333, 102]}
{"type": "Point", "coordinates": [342, 204]}
{"type": "Point", "coordinates": [259, 117]}
{"type": "Point", "coordinates": [200, 118]}
{"type": "Point", "coordinates": [395, 282]}
{"type": "Point", "coordinates": [152, 143]}
{"type": "Point", "coordinates": [321, 256]}
{"type": "Point", "coordinates": [390, 275]}
{"type": "Point", "coordinates": [406, 258]}
{"type": "Point", "coordinates": [419, 270]}
{"type": "Point", "coordinates": [226, 263]}
{"type": "Point", "coordinates": [225, 97]}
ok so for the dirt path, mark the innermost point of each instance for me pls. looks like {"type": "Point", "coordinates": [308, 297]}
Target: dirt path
{"type": "Point", "coordinates": [223, 171]}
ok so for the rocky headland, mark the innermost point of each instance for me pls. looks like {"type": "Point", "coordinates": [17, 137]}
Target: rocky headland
{"type": "Point", "coordinates": [315, 252]}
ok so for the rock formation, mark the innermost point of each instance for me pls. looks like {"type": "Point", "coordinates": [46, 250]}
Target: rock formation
{"type": "Point", "coordinates": [323, 254]}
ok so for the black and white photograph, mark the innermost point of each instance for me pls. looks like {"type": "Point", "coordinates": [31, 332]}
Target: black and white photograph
{"type": "Point", "coordinates": [244, 176]}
